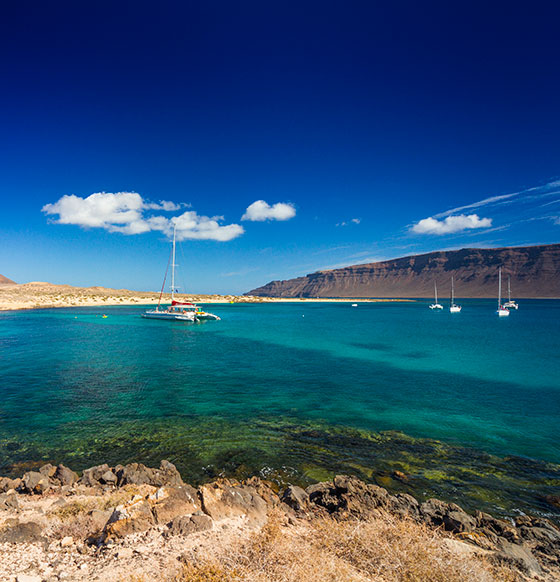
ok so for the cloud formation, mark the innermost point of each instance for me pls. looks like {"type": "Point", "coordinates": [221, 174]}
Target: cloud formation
{"type": "Point", "coordinates": [523, 196]}
{"type": "Point", "coordinates": [349, 222]}
{"type": "Point", "coordinates": [125, 212]}
{"type": "Point", "coordinates": [260, 211]}
{"type": "Point", "coordinates": [451, 224]}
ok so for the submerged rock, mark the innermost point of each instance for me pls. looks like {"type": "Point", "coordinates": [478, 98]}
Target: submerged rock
{"type": "Point", "coordinates": [553, 500]}
{"type": "Point", "coordinates": [400, 476]}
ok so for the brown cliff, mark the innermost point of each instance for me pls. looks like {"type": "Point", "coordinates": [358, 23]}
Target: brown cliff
{"type": "Point", "coordinates": [6, 281]}
{"type": "Point", "coordinates": [534, 272]}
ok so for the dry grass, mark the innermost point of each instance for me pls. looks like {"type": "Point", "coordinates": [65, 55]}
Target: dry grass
{"type": "Point", "coordinates": [104, 502]}
{"type": "Point", "coordinates": [386, 549]}
{"type": "Point", "coordinates": [72, 519]}
{"type": "Point", "coordinates": [74, 509]}
{"type": "Point", "coordinates": [80, 528]}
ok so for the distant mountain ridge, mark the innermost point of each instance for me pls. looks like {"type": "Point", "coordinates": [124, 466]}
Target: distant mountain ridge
{"type": "Point", "coordinates": [6, 281]}
{"type": "Point", "coordinates": [534, 272]}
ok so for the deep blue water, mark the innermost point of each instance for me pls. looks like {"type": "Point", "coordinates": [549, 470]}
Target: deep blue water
{"type": "Point", "coordinates": [81, 388]}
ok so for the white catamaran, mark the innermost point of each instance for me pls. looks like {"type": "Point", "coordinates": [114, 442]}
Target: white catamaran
{"type": "Point", "coordinates": [452, 307]}
{"type": "Point", "coordinates": [177, 311]}
{"type": "Point", "coordinates": [502, 311]}
{"type": "Point", "coordinates": [509, 304]}
{"type": "Point", "coordinates": [436, 305]}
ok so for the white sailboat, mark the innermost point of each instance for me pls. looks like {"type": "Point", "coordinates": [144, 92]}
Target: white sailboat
{"type": "Point", "coordinates": [435, 304]}
{"type": "Point", "coordinates": [452, 307]}
{"type": "Point", "coordinates": [502, 311]}
{"type": "Point", "coordinates": [509, 304]}
{"type": "Point", "coordinates": [177, 311]}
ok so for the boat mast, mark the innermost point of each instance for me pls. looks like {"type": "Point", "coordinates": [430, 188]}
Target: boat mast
{"type": "Point", "coordinates": [499, 287]}
{"type": "Point", "coordinates": [435, 291]}
{"type": "Point", "coordinates": [509, 289]}
{"type": "Point", "coordinates": [173, 265]}
{"type": "Point", "coordinates": [452, 291]}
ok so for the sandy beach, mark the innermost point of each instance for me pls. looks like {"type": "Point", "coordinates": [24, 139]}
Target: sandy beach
{"type": "Point", "coordinates": [41, 295]}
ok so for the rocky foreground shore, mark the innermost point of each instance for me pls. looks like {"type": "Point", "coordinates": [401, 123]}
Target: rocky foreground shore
{"type": "Point", "coordinates": [133, 523]}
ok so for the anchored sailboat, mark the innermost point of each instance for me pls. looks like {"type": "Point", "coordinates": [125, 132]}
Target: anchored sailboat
{"type": "Point", "coordinates": [177, 311]}
{"type": "Point", "coordinates": [509, 304]}
{"type": "Point", "coordinates": [502, 311]}
{"type": "Point", "coordinates": [452, 307]}
{"type": "Point", "coordinates": [435, 304]}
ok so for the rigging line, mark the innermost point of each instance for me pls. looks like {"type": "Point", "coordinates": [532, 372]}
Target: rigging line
{"type": "Point", "coordinates": [164, 278]}
{"type": "Point", "coordinates": [183, 270]}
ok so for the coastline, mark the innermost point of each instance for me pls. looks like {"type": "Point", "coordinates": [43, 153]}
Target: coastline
{"type": "Point", "coordinates": [38, 295]}
{"type": "Point", "coordinates": [136, 522]}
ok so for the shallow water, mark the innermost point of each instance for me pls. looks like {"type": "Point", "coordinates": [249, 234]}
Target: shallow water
{"type": "Point", "coordinates": [296, 392]}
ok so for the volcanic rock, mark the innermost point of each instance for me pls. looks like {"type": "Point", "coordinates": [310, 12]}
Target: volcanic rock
{"type": "Point", "coordinates": [224, 498]}
{"type": "Point", "coordinates": [35, 482]}
{"type": "Point", "coordinates": [187, 524]}
{"type": "Point", "coordinates": [296, 498]}
{"type": "Point", "coordinates": [534, 272]}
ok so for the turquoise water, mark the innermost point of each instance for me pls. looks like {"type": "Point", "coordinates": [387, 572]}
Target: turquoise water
{"type": "Point", "coordinates": [295, 391]}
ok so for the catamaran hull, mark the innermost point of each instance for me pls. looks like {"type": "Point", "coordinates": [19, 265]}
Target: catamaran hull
{"type": "Point", "coordinates": [207, 316]}
{"type": "Point", "coordinates": [168, 316]}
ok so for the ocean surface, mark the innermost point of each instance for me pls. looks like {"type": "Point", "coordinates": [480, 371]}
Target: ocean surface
{"type": "Point", "coordinates": [466, 405]}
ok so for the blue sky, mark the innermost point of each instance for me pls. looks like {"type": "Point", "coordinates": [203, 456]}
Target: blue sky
{"type": "Point", "coordinates": [380, 130]}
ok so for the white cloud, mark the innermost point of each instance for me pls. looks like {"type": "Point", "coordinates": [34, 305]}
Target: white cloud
{"type": "Point", "coordinates": [260, 211]}
{"type": "Point", "coordinates": [190, 225]}
{"type": "Point", "coordinates": [165, 205]}
{"type": "Point", "coordinates": [349, 222]}
{"type": "Point", "coordinates": [113, 212]}
{"type": "Point", "coordinates": [240, 273]}
{"type": "Point", "coordinates": [451, 224]}
{"type": "Point", "coordinates": [124, 212]}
